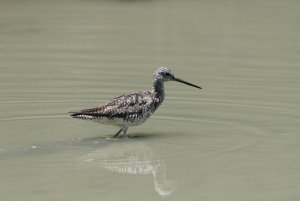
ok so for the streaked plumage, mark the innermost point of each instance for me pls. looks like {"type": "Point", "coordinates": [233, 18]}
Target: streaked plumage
{"type": "Point", "coordinates": [131, 109]}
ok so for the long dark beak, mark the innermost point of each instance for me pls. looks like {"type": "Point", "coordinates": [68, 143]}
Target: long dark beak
{"type": "Point", "coordinates": [187, 83]}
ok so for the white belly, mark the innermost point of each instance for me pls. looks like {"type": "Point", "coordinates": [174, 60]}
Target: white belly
{"type": "Point", "coordinates": [119, 121]}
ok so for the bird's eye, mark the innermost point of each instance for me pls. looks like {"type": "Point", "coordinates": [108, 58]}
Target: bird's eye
{"type": "Point", "coordinates": [167, 74]}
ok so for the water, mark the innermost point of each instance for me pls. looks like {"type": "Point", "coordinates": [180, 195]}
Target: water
{"type": "Point", "coordinates": [237, 139]}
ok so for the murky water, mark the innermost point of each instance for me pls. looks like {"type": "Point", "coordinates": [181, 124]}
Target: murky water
{"type": "Point", "coordinates": [237, 139]}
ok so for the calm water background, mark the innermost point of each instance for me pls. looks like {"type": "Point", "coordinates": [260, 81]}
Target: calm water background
{"type": "Point", "coordinates": [237, 139]}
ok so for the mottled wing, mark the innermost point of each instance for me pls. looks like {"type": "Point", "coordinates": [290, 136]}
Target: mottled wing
{"type": "Point", "coordinates": [120, 107]}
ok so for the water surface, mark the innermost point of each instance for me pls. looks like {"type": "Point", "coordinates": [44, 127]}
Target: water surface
{"type": "Point", "coordinates": [237, 139]}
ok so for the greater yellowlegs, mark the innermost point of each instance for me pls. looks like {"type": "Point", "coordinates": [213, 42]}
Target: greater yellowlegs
{"type": "Point", "coordinates": [134, 108]}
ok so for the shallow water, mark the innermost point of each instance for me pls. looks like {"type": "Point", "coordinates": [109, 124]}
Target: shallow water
{"type": "Point", "coordinates": [237, 139]}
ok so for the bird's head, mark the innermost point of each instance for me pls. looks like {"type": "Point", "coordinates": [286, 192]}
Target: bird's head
{"type": "Point", "coordinates": [165, 74]}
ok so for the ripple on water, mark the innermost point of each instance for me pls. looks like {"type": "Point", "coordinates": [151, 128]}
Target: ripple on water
{"type": "Point", "coordinates": [195, 128]}
{"type": "Point", "coordinates": [222, 125]}
{"type": "Point", "coordinates": [229, 126]}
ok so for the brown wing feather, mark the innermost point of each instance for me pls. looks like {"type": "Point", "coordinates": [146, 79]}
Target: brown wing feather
{"type": "Point", "coordinates": [120, 106]}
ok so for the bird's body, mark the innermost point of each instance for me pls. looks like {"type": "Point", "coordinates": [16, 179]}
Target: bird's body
{"type": "Point", "coordinates": [131, 109]}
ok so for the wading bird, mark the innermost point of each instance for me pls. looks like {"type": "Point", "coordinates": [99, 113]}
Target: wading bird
{"type": "Point", "coordinates": [134, 108]}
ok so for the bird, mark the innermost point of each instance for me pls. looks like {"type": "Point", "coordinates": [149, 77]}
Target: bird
{"type": "Point", "coordinates": [134, 108]}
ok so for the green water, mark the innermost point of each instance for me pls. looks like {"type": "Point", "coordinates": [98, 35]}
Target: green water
{"type": "Point", "coordinates": [237, 139]}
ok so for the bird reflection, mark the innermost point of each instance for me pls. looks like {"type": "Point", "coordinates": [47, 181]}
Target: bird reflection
{"type": "Point", "coordinates": [134, 158]}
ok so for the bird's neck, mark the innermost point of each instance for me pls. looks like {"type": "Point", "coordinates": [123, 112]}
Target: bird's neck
{"type": "Point", "coordinates": [158, 90]}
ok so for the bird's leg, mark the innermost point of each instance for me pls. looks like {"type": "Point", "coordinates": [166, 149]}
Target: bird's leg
{"type": "Point", "coordinates": [116, 135]}
{"type": "Point", "coordinates": [125, 128]}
